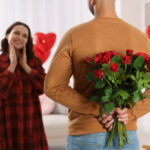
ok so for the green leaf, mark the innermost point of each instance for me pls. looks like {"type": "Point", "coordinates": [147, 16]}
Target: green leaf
{"type": "Point", "coordinates": [132, 77]}
{"type": "Point", "coordinates": [146, 85]}
{"type": "Point", "coordinates": [109, 107]}
{"type": "Point", "coordinates": [108, 91]}
{"type": "Point", "coordinates": [123, 94]}
{"type": "Point", "coordinates": [138, 75]}
{"type": "Point", "coordinates": [105, 99]}
{"type": "Point", "coordinates": [146, 75]}
{"type": "Point", "coordinates": [99, 84]}
{"type": "Point", "coordinates": [146, 80]}
{"type": "Point", "coordinates": [136, 97]}
{"type": "Point", "coordinates": [138, 63]}
{"type": "Point", "coordinates": [141, 74]}
{"type": "Point", "coordinates": [140, 85]}
{"type": "Point", "coordinates": [116, 59]}
{"type": "Point", "coordinates": [95, 98]}
{"type": "Point", "coordinates": [107, 72]}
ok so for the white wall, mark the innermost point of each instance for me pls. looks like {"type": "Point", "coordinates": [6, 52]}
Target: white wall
{"type": "Point", "coordinates": [133, 11]}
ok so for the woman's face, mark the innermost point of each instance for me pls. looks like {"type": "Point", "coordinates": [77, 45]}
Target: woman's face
{"type": "Point", "coordinates": [18, 37]}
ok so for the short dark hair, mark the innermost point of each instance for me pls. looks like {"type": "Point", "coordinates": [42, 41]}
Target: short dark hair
{"type": "Point", "coordinates": [29, 45]}
{"type": "Point", "coordinates": [91, 7]}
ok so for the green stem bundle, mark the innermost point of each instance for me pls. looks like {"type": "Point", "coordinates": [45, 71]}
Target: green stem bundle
{"type": "Point", "coordinates": [119, 129]}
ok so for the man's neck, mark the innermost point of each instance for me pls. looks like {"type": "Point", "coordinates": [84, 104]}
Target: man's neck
{"type": "Point", "coordinates": [104, 11]}
{"type": "Point", "coordinates": [106, 15]}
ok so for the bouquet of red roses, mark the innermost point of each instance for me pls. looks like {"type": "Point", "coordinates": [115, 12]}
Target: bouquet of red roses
{"type": "Point", "coordinates": [119, 82]}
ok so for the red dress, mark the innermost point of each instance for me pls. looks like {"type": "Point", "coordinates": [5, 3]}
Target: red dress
{"type": "Point", "coordinates": [21, 126]}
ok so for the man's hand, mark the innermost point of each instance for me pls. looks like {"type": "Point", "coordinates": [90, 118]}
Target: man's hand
{"type": "Point", "coordinates": [122, 115]}
{"type": "Point", "coordinates": [108, 119]}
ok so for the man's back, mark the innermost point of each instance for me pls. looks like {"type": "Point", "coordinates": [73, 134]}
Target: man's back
{"type": "Point", "coordinates": [87, 40]}
{"type": "Point", "coordinates": [108, 34]}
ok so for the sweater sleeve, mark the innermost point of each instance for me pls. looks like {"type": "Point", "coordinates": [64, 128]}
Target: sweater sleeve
{"type": "Point", "coordinates": [6, 82]}
{"type": "Point", "coordinates": [57, 80]}
{"type": "Point", "coordinates": [142, 107]}
{"type": "Point", "coordinates": [37, 77]}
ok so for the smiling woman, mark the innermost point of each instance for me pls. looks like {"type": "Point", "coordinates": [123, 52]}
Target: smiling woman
{"type": "Point", "coordinates": [18, 34]}
{"type": "Point", "coordinates": [21, 83]}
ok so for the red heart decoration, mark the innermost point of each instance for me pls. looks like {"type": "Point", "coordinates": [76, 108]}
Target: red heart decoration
{"type": "Point", "coordinates": [41, 55]}
{"type": "Point", "coordinates": [43, 45]}
{"type": "Point", "coordinates": [148, 31]}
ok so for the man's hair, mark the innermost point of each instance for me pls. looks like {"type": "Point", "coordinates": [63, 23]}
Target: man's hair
{"type": "Point", "coordinates": [91, 7]}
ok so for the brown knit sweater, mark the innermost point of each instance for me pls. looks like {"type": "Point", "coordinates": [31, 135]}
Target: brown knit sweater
{"type": "Point", "coordinates": [86, 40]}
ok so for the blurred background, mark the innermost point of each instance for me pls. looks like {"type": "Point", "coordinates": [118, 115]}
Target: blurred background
{"type": "Point", "coordinates": [57, 16]}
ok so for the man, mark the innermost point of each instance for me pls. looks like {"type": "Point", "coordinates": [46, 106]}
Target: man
{"type": "Point", "coordinates": [105, 32]}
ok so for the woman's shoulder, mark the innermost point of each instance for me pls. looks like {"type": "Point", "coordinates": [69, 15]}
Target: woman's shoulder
{"type": "Point", "coordinates": [4, 57]}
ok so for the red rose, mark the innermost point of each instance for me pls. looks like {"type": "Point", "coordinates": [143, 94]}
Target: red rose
{"type": "Point", "coordinates": [100, 54]}
{"type": "Point", "coordinates": [99, 74]}
{"type": "Point", "coordinates": [141, 53]}
{"type": "Point", "coordinates": [116, 54]}
{"type": "Point", "coordinates": [147, 60]}
{"type": "Point", "coordinates": [87, 60]}
{"type": "Point", "coordinates": [129, 52]}
{"type": "Point", "coordinates": [148, 68]}
{"type": "Point", "coordinates": [114, 67]}
{"type": "Point", "coordinates": [106, 59]}
{"type": "Point", "coordinates": [126, 60]}
{"type": "Point", "coordinates": [97, 58]}
{"type": "Point", "coordinates": [110, 53]}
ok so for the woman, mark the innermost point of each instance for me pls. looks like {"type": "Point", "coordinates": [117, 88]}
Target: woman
{"type": "Point", "coordinates": [21, 83]}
